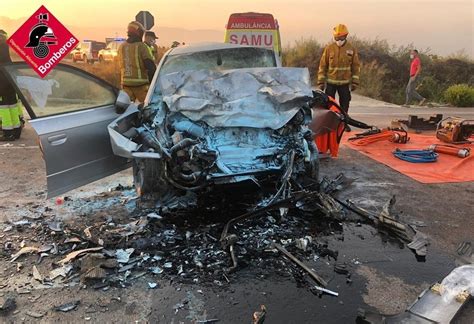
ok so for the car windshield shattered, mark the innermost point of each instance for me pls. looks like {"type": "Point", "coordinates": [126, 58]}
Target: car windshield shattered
{"type": "Point", "coordinates": [207, 129]}
{"type": "Point", "coordinates": [222, 59]}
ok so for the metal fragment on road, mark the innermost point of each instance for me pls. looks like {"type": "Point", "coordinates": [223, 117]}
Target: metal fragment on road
{"type": "Point", "coordinates": [156, 270]}
{"type": "Point", "coordinates": [327, 291]}
{"type": "Point", "coordinates": [123, 256]}
{"type": "Point", "coordinates": [154, 216]}
{"type": "Point", "coordinates": [313, 274]}
{"type": "Point", "coordinates": [67, 307]}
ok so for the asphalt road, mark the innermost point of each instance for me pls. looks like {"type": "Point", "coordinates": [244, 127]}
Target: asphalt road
{"type": "Point", "coordinates": [381, 113]}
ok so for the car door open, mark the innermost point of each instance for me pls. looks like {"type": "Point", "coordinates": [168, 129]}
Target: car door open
{"type": "Point", "coordinates": [70, 110]}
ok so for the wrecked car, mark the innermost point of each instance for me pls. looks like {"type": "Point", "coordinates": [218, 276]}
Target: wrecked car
{"type": "Point", "coordinates": [215, 114]}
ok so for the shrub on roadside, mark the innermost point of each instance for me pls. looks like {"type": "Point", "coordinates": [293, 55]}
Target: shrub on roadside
{"type": "Point", "coordinates": [460, 95]}
{"type": "Point", "coordinates": [371, 80]}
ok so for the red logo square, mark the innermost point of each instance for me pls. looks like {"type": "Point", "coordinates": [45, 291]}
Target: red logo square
{"type": "Point", "coordinates": [42, 41]}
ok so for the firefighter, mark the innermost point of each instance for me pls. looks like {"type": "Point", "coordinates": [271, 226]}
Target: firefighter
{"type": "Point", "coordinates": [136, 63]}
{"type": "Point", "coordinates": [339, 68]}
{"type": "Point", "coordinates": [11, 113]}
{"type": "Point", "coordinates": [150, 41]}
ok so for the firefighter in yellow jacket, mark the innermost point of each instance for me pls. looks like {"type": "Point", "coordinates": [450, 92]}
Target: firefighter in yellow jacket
{"type": "Point", "coordinates": [339, 68]}
{"type": "Point", "coordinates": [11, 113]}
{"type": "Point", "coordinates": [136, 63]}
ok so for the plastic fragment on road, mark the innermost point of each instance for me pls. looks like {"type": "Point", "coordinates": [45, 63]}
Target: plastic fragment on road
{"type": "Point", "coordinates": [71, 256]}
{"type": "Point", "coordinates": [25, 250]}
{"type": "Point", "coordinates": [37, 275]}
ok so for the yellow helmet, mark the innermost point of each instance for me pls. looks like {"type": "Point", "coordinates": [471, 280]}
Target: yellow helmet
{"type": "Point", "coordinates": [340, 30]}
{"type": "Point", "coordinates": [135, 25]}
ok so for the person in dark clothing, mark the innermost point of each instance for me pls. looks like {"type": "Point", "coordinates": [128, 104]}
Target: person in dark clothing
{"type": "Point", "coordinates": [10, 109]}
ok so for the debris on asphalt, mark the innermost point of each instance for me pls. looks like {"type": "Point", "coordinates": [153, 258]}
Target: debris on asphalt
{"type": "Point", "coordinates": [34, 314]}
{"type": "Point", "coordinates": [62, 271]}
{"type": "Point", "coordinates": [37, 275]}
{"type": "Point", "coordinates": [7, 305]}
{"type": "Point", "coordinates": [152, 285]}
{"type": "Point", "coordinates": [24, 250]}
{"type": "Point", "coordinates": [326, 291]}
{"type": "Point", "coordinates": [290, 256]}
{"type": "Point", "coordinates": [71, 256]}
{"type": "Point", "coordinates": [415, 240]}
{"type": "Point", "coordinates": [94, 265]}
{"type": "Point", "coordinates": [259, 316]}
{"type": "Point", "coordinates": [67, 307]}
{"type": "Point", "coordinates": [123, 256]}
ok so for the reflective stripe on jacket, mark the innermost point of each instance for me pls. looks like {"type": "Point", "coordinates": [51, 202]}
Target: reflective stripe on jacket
{"type": "Point", "coordinates": [132, 68]}
{"type": "Point", "coordinates": [339, 65]}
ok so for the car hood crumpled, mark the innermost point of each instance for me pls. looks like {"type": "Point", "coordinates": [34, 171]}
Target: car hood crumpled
{"type": "Point", "coordinates": [257, 98]}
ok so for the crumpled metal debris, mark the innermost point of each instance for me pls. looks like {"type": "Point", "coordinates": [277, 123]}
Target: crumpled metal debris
{"type": "Point", "coordinates": [123, 256]}
{"type": "Point", "coordinates": [277, 92]}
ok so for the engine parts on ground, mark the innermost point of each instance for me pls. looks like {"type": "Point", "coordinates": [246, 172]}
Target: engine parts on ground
{"type": "Point", "coordinates": [376, 135]}
{"type": "Point", "coordinates": [419, 123]}
{"type": "Point", "coordinates": [416, 156]}
{"type": "Point", "coordinates": [455, 130]}
{"type": "Point", "coordinates": [441, 303]}
{"type": "Point", "coordinates": [461, 152]}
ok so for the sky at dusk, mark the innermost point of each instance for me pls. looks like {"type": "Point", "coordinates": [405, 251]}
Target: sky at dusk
{"type": "Point", "coordinates": [443, 26]}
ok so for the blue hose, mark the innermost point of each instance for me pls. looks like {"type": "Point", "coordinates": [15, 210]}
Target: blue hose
{"type": "Point", "coordinates": [416, 156]}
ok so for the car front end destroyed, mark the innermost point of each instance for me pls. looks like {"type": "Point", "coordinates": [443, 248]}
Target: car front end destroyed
{"type": "Point", "coordinates": [206, 128]}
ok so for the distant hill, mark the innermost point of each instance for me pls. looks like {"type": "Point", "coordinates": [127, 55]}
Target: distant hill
{"type": "Point", "coordinates": [167, 35]}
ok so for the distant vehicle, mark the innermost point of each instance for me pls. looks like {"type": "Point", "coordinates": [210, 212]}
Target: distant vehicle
{"type": "Point", "coordinates": [109, 53]}
{"type": "Point", "coordinates": [87, 51]}
{"type": "Point", "coordinates": [254, 29]}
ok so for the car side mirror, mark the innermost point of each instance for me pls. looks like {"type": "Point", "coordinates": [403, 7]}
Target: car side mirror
{"type": "Point", "coordinates": [122, 102]}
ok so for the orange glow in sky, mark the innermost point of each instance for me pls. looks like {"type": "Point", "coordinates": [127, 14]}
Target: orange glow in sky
{"type": "Point", "coordinates": [444, 26]}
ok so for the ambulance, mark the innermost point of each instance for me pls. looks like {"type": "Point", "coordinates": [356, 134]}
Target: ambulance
{"type": "Point", "coordinates": [254, 29]}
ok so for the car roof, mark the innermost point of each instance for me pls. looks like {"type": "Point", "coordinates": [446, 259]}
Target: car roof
{"type": "Point", "coordinates": [203, 47]}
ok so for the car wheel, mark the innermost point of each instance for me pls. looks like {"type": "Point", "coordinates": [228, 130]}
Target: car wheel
{"type": "Point", "coordinates": [145, 175]}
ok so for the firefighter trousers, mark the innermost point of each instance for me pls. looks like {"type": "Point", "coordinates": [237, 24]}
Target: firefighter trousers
{"type": "Point", "coordinates": [344, 93]}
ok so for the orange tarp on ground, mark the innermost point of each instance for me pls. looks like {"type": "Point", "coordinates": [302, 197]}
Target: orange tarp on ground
{"type": "Point", "coordinates": [448, 168]}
